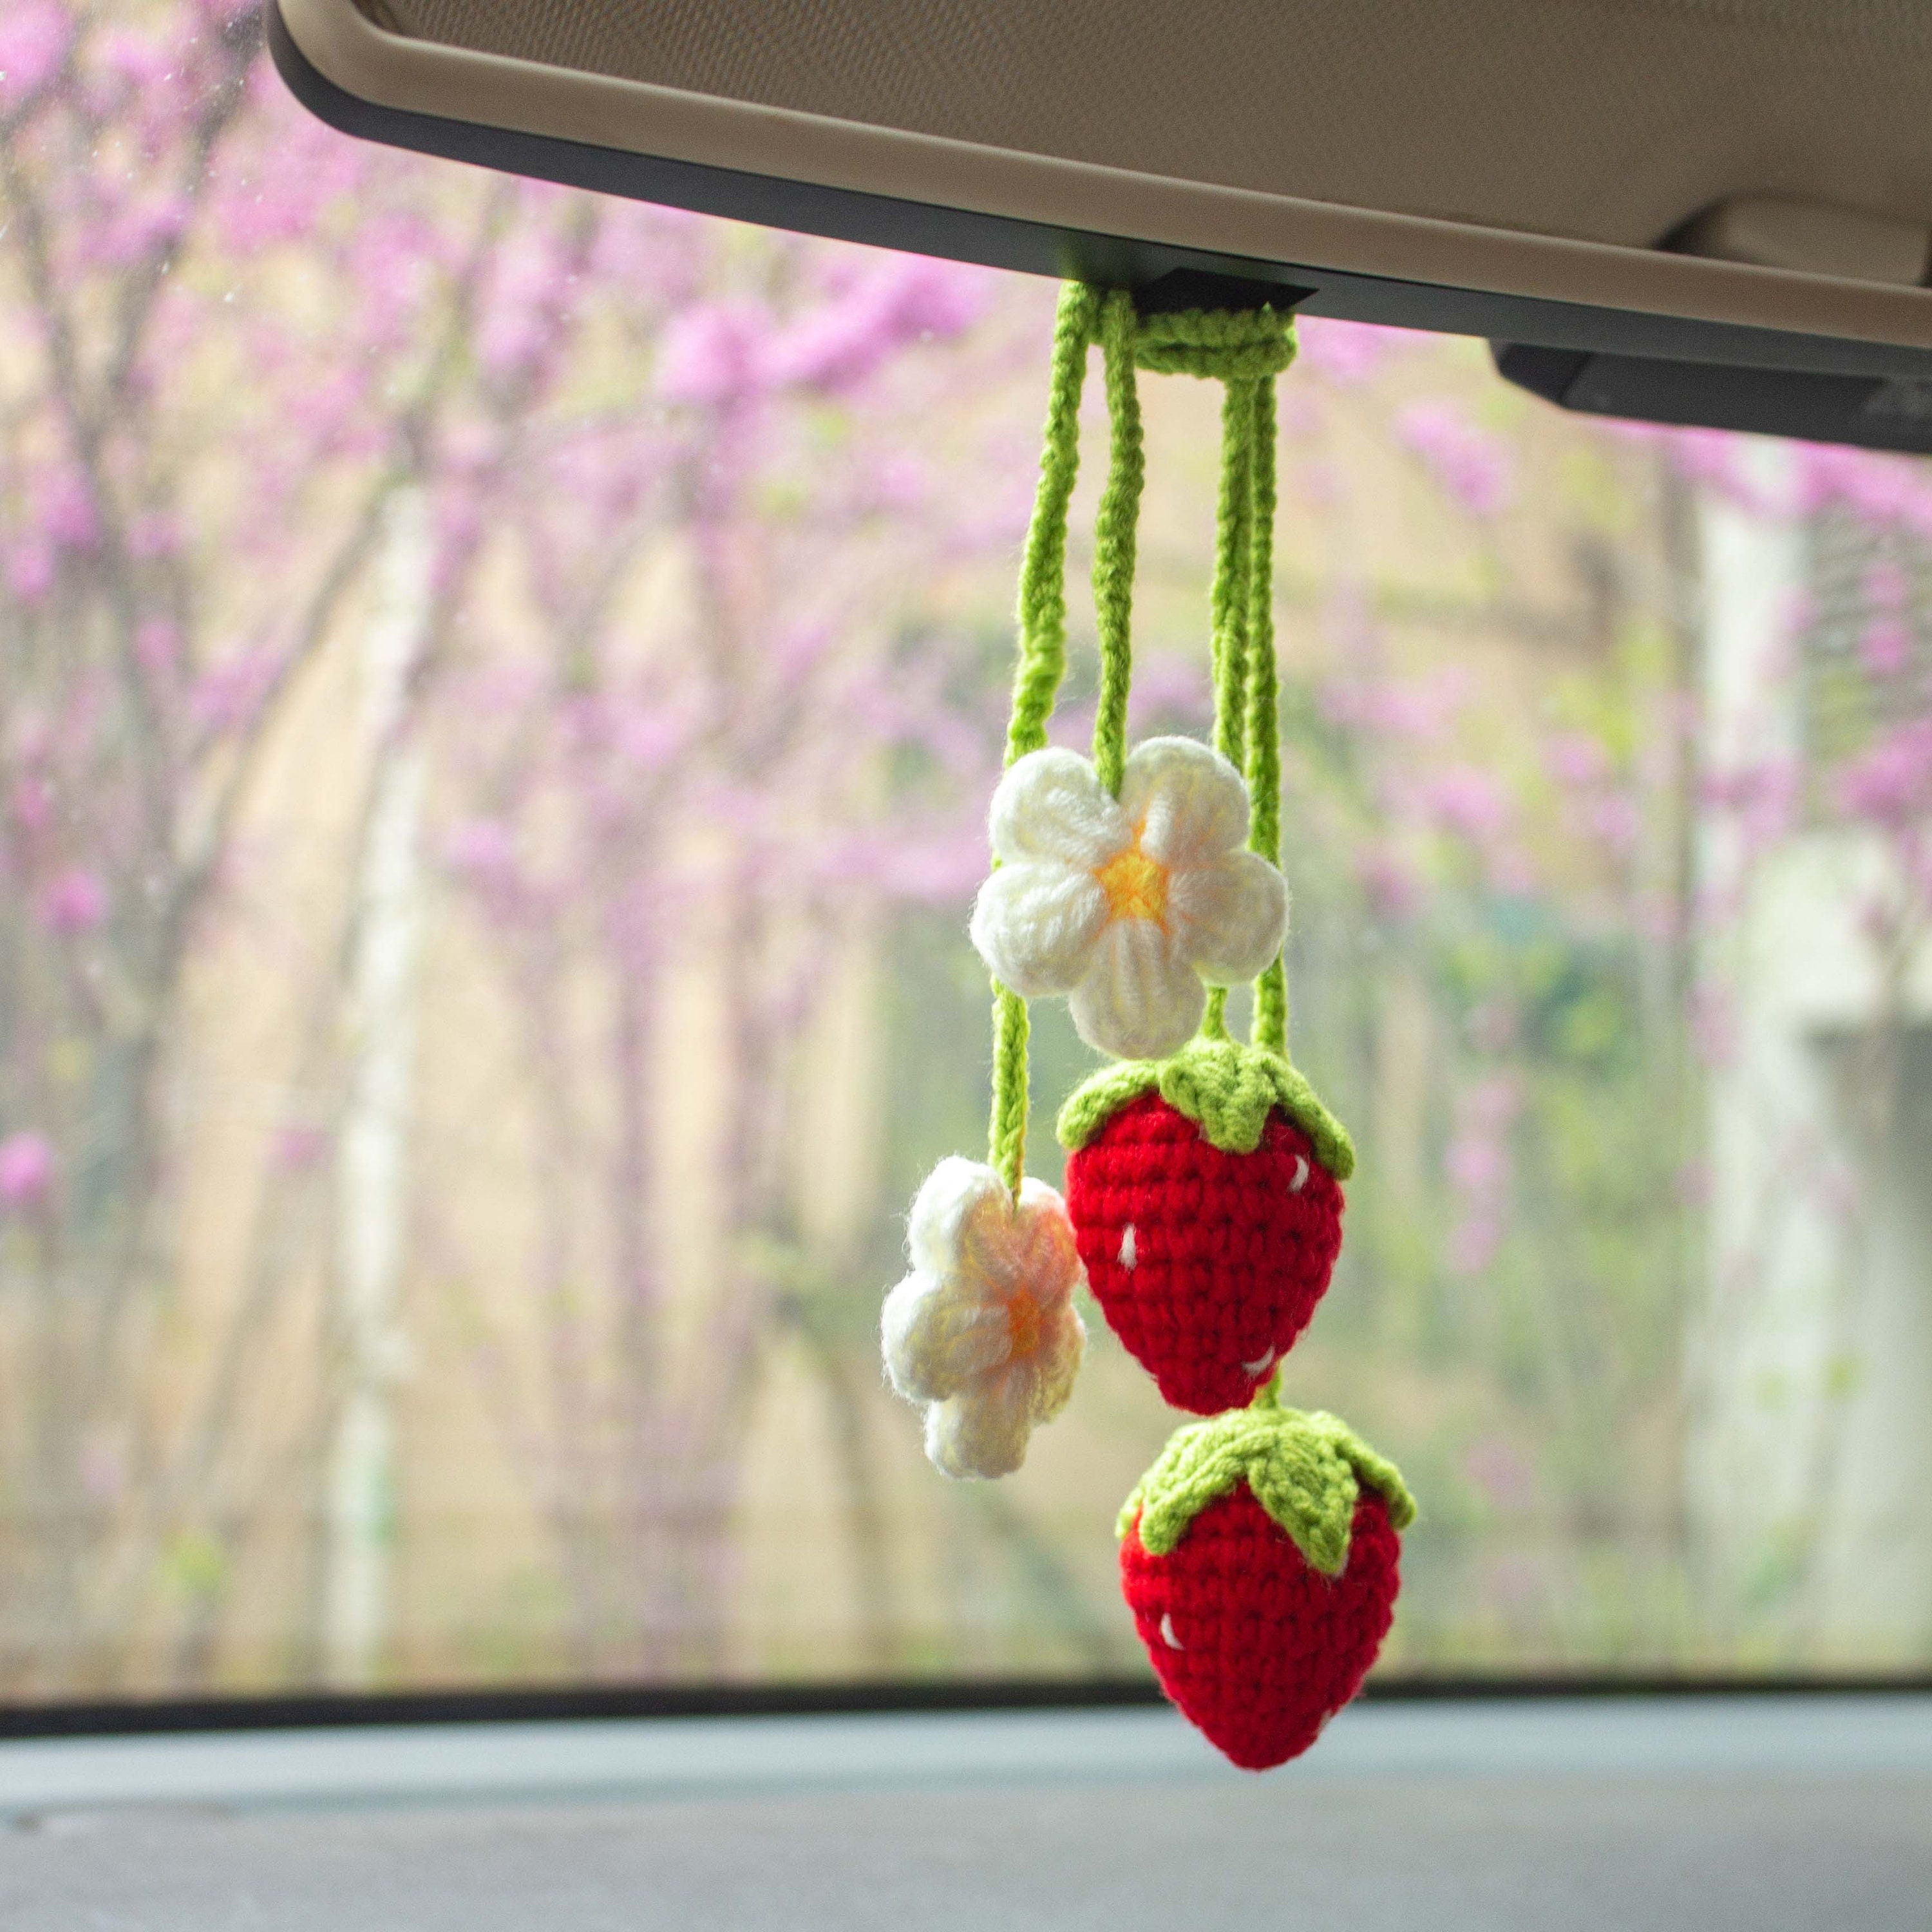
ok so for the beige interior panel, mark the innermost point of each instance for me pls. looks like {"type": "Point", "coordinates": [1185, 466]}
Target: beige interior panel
{"type": "Point", "coordinates": [1601, 120]}
{"type": "Point", "coordinates": [1544, 148]}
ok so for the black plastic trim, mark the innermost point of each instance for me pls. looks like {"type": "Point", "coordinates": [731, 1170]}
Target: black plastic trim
{"type": "Point", "coordinates": [1036, 248]}
{"type": "Point", "coordinates": [1872, 412]}
{"type": "Point", "coordinates": [321, 1710]}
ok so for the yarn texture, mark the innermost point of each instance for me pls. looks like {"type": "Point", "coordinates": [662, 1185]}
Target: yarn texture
{"type": "Point", "coordinates": [1207, 1265]}
{"type": "Point", "coordinates": [1259, 1555]}
{"type": "Point", "coordinates": [1259, 1558]}
{"type": "Point", "coordinates": [1227, 345]}
{"type": "Point", "coordinates": [1307, 1471]}
{"type": "Point", "coordinates": [983, 1332]}
{"type": "Point", "coordinates": [1257, 1647]}
{"type": "Point", "coordinates": [1227, 1090]}
{"type": "Point", "coordinates": [1127, 903]}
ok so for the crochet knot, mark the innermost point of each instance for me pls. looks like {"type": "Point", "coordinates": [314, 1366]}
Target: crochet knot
{"type": "Point", "coordinates": [1217, 343]}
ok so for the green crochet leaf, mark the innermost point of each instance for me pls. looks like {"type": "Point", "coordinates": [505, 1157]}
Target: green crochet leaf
{"type": "Point", "coordinates": [1226, 1089]}
{"type": "Point", "coordinates": [1305, 1471]}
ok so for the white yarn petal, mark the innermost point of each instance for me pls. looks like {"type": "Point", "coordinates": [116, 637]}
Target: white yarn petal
{"type": "Point", "coordinates": [990, 1274]}
{"type": "Point", "coordinates": [983, 1432]}
{"type": "Point", "coordinates": [1140, 999]}
{"type": "Point", "coordinates": [952, 1190]}
{"type": "Point", "coordinates": [1050, 1259]}
{"type": "Point", "coordinates": [1057, 1361]}
{"type": "Point", "coordinates": [1051, 805]}
{"type": "Point", "coordinates": [1228, 920]}
{"type": "Point", "coordinates": [1190, 802]}
{"type": "Point", "coordinates": [1034, 923]}
{"type": "Point", "coordinates": [992, 1254]}
{"type": "Point", "coordinates": [938, 1341]}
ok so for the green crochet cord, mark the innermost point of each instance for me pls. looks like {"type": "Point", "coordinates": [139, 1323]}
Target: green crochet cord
{"type": "Point", "coordinates": [1115, 534]}
{"type": "Point", "coordinates": [1246, 351]}
{"type": "Point", "coordinates": [1307, 1471]}
{"type": "Point", "coordinates": [1086, 315]}
{"type": "Point", "coordinates": [1043, 664]}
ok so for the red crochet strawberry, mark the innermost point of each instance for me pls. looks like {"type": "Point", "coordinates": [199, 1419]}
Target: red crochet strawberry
{"type": "Point", "coordinates": [1259, 1558]}
{"type": "Point", "coordinates": [1205, 1194]}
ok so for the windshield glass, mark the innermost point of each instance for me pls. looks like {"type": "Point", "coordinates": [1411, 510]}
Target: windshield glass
{"type": "Point", "coordinates": [499, 691]}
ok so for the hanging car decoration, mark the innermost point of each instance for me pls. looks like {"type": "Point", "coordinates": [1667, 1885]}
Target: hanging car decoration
{"type": "Point", "coordinates": [1259, 1555]}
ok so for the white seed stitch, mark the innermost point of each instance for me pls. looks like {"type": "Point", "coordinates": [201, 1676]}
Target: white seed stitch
{"type": "Point", "coordinates": [1167, 1635]}
{"type": "Point", "coordinates": [1128, 1254]}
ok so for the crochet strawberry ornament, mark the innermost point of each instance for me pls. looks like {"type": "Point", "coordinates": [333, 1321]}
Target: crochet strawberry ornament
{"type": "Point", "coordinates": [1259, 1558]}
{"type": "Point", "coordinates": [1205, 1195]}
{"type": "Point", "coordinates": [1203, 1202]}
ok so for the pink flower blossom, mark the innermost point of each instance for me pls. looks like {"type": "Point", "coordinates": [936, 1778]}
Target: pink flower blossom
{"type": "Point", "coordinates": [26, 1169]}
{"type": "Point", "coordinates": [1891, 783]}
{"type": "Point", "coordinates": [296, 1147]}
{"type": "Point", "coordinates": [1469, 801]}
{"type": "Point", "coordinates": [30, 568]}
{"type": "Point", "coordinates": [66, 512]}
{"type": "Point", "coordinates": [228, 695]}
{"type": "Point", "coordinates": [1417, 711]}
{"type": "Point", "coordinates": [712, 354]}
{"type": "Point", "coordinates": [74, 902]}
{"type": "Point", "coordinates": [907, 299]}
{"type": "Point", "coordinates": [482, 850]}
{"type": "Point", "coordinates": [1472, 465]}
{"type": "Point", "coordinates": [1345, 353]}
{"type": "Point", "coordinates": [1886, 586]}
{"type": "Point", "coordinates": [1473, 1244]}
{"type": "Point", "coordinates": [1616, 819]}
{"type": "Point", "coordinates": [1887, 491]}
{"type": "Point", "coordinates": [897, 484]}
{"type": "Point", "coordinates": [143, 230]}
{"type": "Point", "coordinates": [102, 1469]}
{"type": "Point", "coordinates": [1388, 883]}
{"type": "Point", "coordinates": [33, 803]}
{"type": "Point", "coordinates": [1499, 1472]}
{"type": "Point", "coordinates": [1479, 1168]}
{"type": "Point", "coordinates": [33, 39]}
{"type": "Point", "coordinates": [1763, 798]}
{"type": "Point", "coordinates": [1576, 758]}
{"type": "Point", "coordinates": [135, 59]}
{"type": "Point", "coordinates": [1885, 646]}
{"type": "Point", "coordinates": [156, 646]}
{"type": "Point", "coordinates": [525, 314]}
{"type": "Point", "coordinates": [1713, 1026]}
{"type": "Point", "coordinates": [154, 534]}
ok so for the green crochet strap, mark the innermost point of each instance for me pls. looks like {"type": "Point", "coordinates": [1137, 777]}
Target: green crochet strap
{"type": "Point", "coordinates": [1223, 344]}
{"type": "Point", "coordinates": [1042, 611]}
{"type": "Point", "coordinates": [1229, 609]}
{"type": "Point", "coordinates": [1115, 541]}
{"type": "Point", "coordinates": [1086, 315]}
{"type": "Point", "coordinates": [1245, 350]}
{"type": "Point", "coordinates": [1305, 1471]}
{"type": "Point", "coordinates": [1263, 762]}
{"type": "Point", "coordinates": [1233, 549]}
{"type": "Point", "coordinates": [1227, 1090]}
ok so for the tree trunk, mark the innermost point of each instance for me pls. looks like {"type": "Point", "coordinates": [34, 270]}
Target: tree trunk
{"type": "Point", "coordinates": [373, 1170]}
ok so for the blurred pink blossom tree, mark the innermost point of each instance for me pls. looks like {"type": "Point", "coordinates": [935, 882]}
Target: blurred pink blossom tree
{"type": "Point", "coordinates": [236, 343]}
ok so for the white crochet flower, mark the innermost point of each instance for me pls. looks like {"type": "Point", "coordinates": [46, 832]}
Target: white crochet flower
{"type": "Point", "coordinates": [984, 1331]}
{"type": "Point", "coordinates": [1128, 904]}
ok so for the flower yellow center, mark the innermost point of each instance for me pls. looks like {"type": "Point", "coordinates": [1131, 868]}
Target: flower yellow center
{"type": "Point", "coordinates": [1135, 885]}
{"type": "Point", "coordinates": [1022, 1327]}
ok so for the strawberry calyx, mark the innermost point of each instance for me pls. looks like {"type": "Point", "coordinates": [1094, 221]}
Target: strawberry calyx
{"type": "Point", "coordinates": [1307, 1471]}
{"type": "Point", "coordinates": [1228, 1090]}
